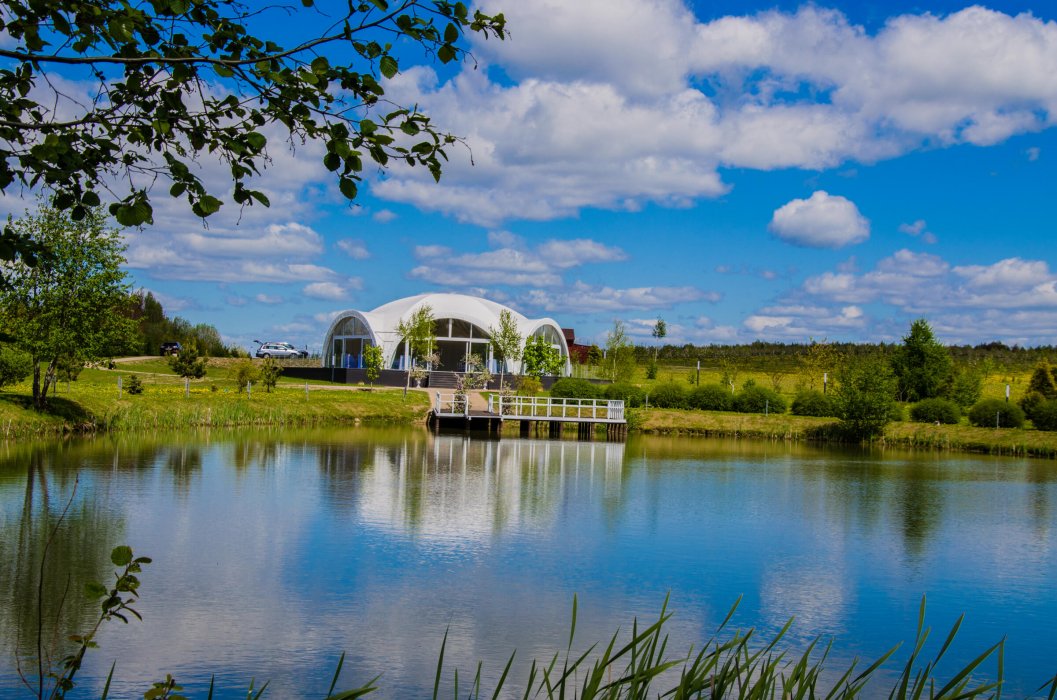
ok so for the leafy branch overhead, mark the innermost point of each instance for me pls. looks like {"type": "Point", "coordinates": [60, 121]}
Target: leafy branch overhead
{"type": "Point", "coordinates": [172, 80]}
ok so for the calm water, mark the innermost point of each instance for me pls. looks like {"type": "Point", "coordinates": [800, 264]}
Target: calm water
{"type": "Point", "coordinates": [274, 552]}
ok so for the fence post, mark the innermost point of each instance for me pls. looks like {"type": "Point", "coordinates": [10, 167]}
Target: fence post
{"type": "Point", "coordinates": [306, 391]}
{"type": "Point", "coordinates": [249, 389]}
{"type": "Point", "coordinates": [119, 386]}
{"type": "Point", "coordinates": [187, 387]}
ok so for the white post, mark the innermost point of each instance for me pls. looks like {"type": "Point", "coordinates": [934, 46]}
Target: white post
{"type": "Point", "coordinates": [119, 386]}
{"type": "Point", "coordinates": [306, 391]}
{"type": "Point", "coordinates": [1007, 393]}
{"type": "Point", "coordinates": [249, 389]}
{"type": "Point", "coordinates": [187, 387]}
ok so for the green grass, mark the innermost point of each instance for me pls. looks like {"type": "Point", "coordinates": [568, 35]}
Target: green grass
{"type": "Point", "coordinates": [92, 403]}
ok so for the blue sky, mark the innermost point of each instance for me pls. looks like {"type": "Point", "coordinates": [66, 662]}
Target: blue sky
{"type": "Point", "coordinates": [779, 171]}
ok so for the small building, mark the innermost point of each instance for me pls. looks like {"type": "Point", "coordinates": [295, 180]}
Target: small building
{"type": "Point", "coordinates": [461, 325]}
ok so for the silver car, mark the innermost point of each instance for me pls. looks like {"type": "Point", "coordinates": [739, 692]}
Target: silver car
{"type": "Point", "coordinates": [282, 350]}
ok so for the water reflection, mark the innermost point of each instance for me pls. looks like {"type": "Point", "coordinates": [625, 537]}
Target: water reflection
{"type": "Point", "coordinates": [276, 550]}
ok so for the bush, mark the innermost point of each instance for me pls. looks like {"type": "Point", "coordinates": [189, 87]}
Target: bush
{"type": "Point", "coordinates": [528, 385]}
{"type": "Point", "coordinates": [936, 411]}
{"type": "Point", "coordinates": [570, 388]}
{"type": "Point", "coordinates": [710, 397]}
{"type": "Point", "coordinates": [989, 411]}
{"type": "Point", "coordinates": [244, 372]}
{"type": "Point", "coordinates": [15, 365]}
{"type": "Point", "coordinates": [810, 402]}
{"type": "Point", "coordinates": [864, 397]}
{"type": "Point", "coordinates": [269, 374]}
{"type": "Point", "coordinates": [895, 412]}
{"type": "Point", "coordinates": [1045, 416]}
{"type": "Point", "coordinates": [134, 385]}
{"type": "Point", "coordinates": [1030, 403]}
{"type": "Point", "coordinates": [1043, 380]}
{"type": "Point", "coordinates": [757, 399]}
{"type": "Point", "coordinates": [669, 395]}
{"type": "Point", "coordinates": [632, 395]}
{"type": "Point", "coordinates": [651, 370]}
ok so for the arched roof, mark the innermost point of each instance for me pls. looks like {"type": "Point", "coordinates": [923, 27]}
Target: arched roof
{"type": "Point", "coordinates": [484, 313]}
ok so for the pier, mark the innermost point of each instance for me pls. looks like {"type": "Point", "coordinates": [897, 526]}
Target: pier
{"type": "Point", "coordinates": [535, 415]}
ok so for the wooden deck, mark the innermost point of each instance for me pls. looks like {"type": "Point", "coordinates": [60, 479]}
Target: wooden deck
{"type": "Point", "coordinates": [531, 412]}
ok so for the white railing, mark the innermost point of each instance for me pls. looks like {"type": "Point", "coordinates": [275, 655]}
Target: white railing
{"type": "Point", "coordinates": [545, 407]}
{"type": "Point", "coordinates": [452, 404]}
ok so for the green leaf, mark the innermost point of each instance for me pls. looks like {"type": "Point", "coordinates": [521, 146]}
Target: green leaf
{"type": "Point", "coordinates": [367, 127]}
{"type": "Point", "coordinates": [206, 205]}
{"type": "Point", "coordinates": [451, 33]}
{"type": "Point", "coordinates": [347, 187]}
{"type": "Point", "coordinates": [222, 70]}
{"type": "Point", "coordinates": [320, 65]}
{"type": "Point", "coordinates": [121, 556]}
{"type": "Point", "coordinates": [256, 140]}
{"type": "Point", "coordinates": [388, 66]}
{"type": "Point", "coordinates": [94, 590]}
{"type": "Point", "coordinates": [446, 53]}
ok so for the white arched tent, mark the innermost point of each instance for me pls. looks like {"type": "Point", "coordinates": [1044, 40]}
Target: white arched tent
{"type": "Point", "coordinates": [461, 325]}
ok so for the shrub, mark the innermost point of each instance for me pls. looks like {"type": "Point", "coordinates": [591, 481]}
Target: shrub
{"type": "Point", "coordinates": [757, 399]}
{"type": "Point", "coordinates": [651, 370]}
{"type": "Point", "coordinates": [134, 385]}
{"type": "Point", "coordinates": [895, 412]}
{"type": "Point", "coordinates": [243, 372]}
{"type": "Point", "coordinates": [15, 365]}
{"type": "Point", "coordinates": [935, 411]}
{"type": "Point", "coordinates": [632, 395]}
{"type": "Point", "coordinates": [966, 387]}
{"type": "Point", "coordinates": [810, 402]}
{"type": "Point", "coordinates": [669, 395]}
{"type": "Point", "coordinates": [269, 374]}
{"type": "Point", "coordinates": [710, 397]}
{"type": "Point", "coordinates": [1045, 417]}
{"type": "Point", "coordinates": [528, 385]}
{"type": "Point", "coordinates": [864, 396]}
{"type": "Point", "coordinates": [1030, 403]}
{"type": "Point", "coordinates": [188, 362]}
{"type": "Point", "coordinates": [1043, 380]}
{"type": "Point", "coordinates": [570, 388]}
{"type": "Point", "coordinates": [991, 411]}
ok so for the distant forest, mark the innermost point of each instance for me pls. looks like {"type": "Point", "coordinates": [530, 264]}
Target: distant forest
{"type": "Point", "coordinates": [762, 356]}
{"type": "Point", "coordinates": [153, 328]}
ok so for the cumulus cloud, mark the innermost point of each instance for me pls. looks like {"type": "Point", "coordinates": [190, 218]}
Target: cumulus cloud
{"type": "Point", "coordinates": [918, 228]}
{"type": "Point", "coordinates": [325, 290]}
{"type": "Point", "coordinates": [354, 248]}
{"type": "Point", "coordinates": [512, 263]}
{"type": "Point", "coordinates": [821, 221]}
{"type": "Point", "coordinates": [923, 283]}
{"type": "Point", "coordinates": [610, 113]}
{"type": "Point", "coordinates": [585, 298]}
{"type": "Point", "coordinates": [384, 216]}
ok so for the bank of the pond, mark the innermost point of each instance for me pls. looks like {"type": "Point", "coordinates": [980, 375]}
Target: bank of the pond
{"type": "Point", "coordinates": [962, 438]}
{"type": "Point", "coordinates": [88, 408]}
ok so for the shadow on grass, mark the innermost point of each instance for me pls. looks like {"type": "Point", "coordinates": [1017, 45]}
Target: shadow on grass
{"type": "Point", "coordinates": [70, 412]}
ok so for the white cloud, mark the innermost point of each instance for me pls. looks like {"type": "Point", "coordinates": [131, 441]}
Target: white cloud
{"type": "Point", "coordinates": [270, 299]}
{"type": "Point", "coordinates": [821, 221]}
{"type": "Point", "coordinates": [609, 113]}
{"type": "Point", "coordinates": [918, 228]}
{"type": "Point", "coordinates": [1033, 153]}
{"type": "Point", "coordinates": [581, 297]}
{"type": "Point", "coordinates": [325, 290]}
{"type": "Point", "coordinates": [513, 263]}
{"type": "Point", "coordinates": [384, 216]}
{"type": "Point", "coordinates": [923, 283]}
{"type": "Point", "coordinates": [354, 248]}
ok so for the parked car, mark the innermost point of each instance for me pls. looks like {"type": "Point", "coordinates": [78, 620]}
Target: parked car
{"type": "Point", "coordinates": [170, 348]}
{"type": "Point", "coordinates": [282, 350]}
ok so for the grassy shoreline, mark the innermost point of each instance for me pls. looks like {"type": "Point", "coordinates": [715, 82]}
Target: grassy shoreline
{"type": "Point", "coordinates": [92, 405]}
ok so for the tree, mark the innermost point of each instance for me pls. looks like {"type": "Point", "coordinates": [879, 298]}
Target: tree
{"type": "Point", "coordinates": [188, 362]}
{"type": "Point", "coordinates": [660, 331]}
{"type": "Point", "coordinates": [65, 310]}
{"type": "Point", "coordinates": [865, 392]}
{"type": "Point", "coordinates": [269, 374]}
{"type": "Point", "coordinates": [372, 362]}
{"type": "Point", "coordinates": [506, 341]}
{"type": "Point", "coordinates": [417, 331]}
{"type": "Point", "coordinates": [541, 358]}
{"type": "Point", "coordinates": [594, 355]}
{"type": "Point", "coordinates": [15, 365]}
{"type": "Point", "coordinates": [922, 367]}
{"type": "Point", "coordinates": [1043, 380]}
{"type": "Point", "coordinates": [819, 360]}
{"type": "Point", "coordinates": [619, 362]}
{"type": "Point", "coordinates": [172, 80]}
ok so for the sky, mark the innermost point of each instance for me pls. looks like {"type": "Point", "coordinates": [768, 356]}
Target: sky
{"type": "Point", "coordinates": [773, 170]}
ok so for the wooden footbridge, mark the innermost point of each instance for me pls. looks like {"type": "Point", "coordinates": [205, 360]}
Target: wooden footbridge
{"type": "Point", "coordinates": [533, 414]}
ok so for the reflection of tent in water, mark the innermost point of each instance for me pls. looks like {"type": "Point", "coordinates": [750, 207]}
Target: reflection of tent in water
{"type": "Point", "coordinates": [454, 488]}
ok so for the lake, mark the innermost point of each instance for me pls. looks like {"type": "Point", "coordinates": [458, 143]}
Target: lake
{"type": "Point", "coordinates": [275, 551]}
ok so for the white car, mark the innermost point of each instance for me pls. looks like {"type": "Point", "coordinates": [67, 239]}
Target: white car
{"type": "Point", "coordinates": [283, 350]}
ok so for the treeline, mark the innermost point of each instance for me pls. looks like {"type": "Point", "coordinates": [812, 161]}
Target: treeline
{"type": "Point", "coordinates": [153, 327]}
{"type": "Point", "coordinates": [762, 356]}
